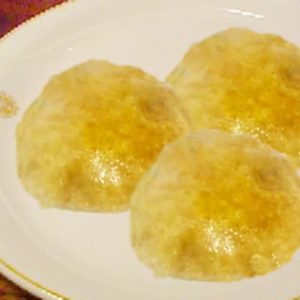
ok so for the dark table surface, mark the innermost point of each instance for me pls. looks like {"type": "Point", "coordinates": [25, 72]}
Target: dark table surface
{"type": "Point", "coordinates": [15, 12]}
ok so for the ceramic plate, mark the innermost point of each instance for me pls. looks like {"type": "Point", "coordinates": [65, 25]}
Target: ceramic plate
{"type": "Point", "coordinates": [59, 254]}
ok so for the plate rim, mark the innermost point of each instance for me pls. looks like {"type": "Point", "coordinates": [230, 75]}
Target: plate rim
{"type": "Point", "coordinates": [9, 34]}
{"type": "Point", "coordinates": [6, 269]}
{"type": "Point", "coordinates": [25, 282]}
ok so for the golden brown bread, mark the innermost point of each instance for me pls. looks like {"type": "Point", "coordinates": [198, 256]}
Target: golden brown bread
{"type": "Point", "coordinates": [217, 207]}
{"type": "Point", "coordinates": [91, 134]}
{"type": "Point", "coordinates": [241, 81]}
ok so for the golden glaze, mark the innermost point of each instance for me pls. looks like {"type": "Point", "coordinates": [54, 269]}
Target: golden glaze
{"type": "Point", "coordinates": [241, 81]}
{"type": "Point", "coordinates": [91, 134]}
{"type": "Point", "coordinates": [217, 207]}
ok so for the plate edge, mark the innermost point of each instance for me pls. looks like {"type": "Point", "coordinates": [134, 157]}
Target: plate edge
{"type": "Point", "coordinates": [10, 269]}
{"type": "Point", "coordinates": [18, 27]}
{"type": "Point", "coordinates": [3, 264]}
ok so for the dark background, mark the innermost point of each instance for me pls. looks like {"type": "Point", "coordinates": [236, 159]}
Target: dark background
{"type": "Point", "coordinates": [14, 12]}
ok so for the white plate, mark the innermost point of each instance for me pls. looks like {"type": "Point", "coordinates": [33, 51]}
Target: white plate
{"type": "Point", "coordinates": [88, 256]}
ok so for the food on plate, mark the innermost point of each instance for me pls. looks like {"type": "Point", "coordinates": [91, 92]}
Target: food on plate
{"type": "Point", "coordinates": [92, 133]}
{"type": "Point", "coordinates": [241, 81]}
{"type": "Point", "coordinates": [217, 206]}
{"type": "Point", "coordinates": [8, 106]}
